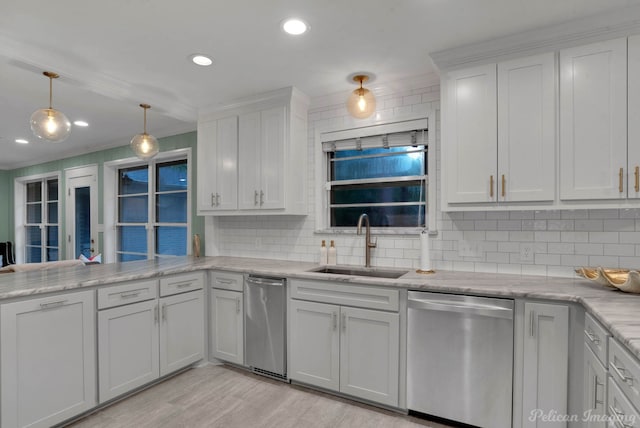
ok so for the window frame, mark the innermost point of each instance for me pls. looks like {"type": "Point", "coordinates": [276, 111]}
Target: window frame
{"type": "Point", "coordinates": [20, 212]}
{"type": "Point", "coordinates": [322, 168]}
{"type": "Point", "coordinates": [111, 193]}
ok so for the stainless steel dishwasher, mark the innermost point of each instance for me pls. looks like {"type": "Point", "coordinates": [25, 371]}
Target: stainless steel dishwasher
{"type": "Point", "coordinates": [460, 358]}
{"type": "Point", "coordinates": [265, 326]}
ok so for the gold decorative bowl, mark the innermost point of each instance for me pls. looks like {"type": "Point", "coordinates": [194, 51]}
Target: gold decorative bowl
{"type": "Point", "coordinates": [623, 279]}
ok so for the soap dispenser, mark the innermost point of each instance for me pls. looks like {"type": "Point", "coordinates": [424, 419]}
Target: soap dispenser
{"type": "Point", "coordinates": [323, 253]}
{"type": "Point", "coordinates": [332, 256]}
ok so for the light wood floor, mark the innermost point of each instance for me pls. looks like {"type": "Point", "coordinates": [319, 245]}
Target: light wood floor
{"type": "Point", "coordinates": [221, 396]}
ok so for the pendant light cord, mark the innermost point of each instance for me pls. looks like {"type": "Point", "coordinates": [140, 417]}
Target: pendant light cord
{"type": "Point", "coordinates": [145, 120]}
{"type": "Point", "coordinates": [50, 93]}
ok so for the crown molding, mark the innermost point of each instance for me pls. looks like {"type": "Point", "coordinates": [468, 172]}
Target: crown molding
{"type": "Point", "coordinates": [618, 23]}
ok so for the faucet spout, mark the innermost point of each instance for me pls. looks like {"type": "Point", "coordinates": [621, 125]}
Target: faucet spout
{"type": "Point", "coordinates": [368, 245]}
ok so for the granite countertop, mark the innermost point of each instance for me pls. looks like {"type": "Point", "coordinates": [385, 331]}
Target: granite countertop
{"type": "Point", "coordinates": [617, 311]}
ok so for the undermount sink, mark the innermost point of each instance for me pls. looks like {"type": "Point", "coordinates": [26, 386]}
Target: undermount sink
{"type": "Point", "coordinates": [357, 271]}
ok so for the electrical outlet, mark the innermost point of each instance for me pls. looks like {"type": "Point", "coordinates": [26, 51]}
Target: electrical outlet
{"type": "Point", "coordinates": [526, 252]}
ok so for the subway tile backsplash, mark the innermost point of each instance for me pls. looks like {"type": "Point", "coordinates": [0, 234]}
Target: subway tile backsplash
{"type": "Point", "coordinates": [548, 243]}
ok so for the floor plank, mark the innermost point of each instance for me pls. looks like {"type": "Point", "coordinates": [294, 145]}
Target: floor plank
{"type": "Point", "coordinates": [226, 397]}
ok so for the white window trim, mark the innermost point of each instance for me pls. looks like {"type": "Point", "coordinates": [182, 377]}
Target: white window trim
{"type": "Point", "coordinates": [110, 193]}
{"type": "Point", "coordinates": [20, 215]}
{"type": "Point", "coordinates": [378, 128]}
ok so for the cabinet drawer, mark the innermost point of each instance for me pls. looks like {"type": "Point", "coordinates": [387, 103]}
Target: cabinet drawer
{"type": "Point", "coordinates": [124, 294]}
{"type": "Point", "coordinates": [625, 371]}
{"type": "Point", "coordinates": [342, 294]}
{"type": "Point", "coordinates": [181, 283]}
{"type": "Point", "coordinates": [227, 280]}
{"type": "Point", "coordinates": [620, 409]}
{"type": "Point", "coordinates": [596, 337]}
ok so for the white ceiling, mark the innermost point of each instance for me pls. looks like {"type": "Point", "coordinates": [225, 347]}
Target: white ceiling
{"type": "Point", "coordinates": [113, 55]}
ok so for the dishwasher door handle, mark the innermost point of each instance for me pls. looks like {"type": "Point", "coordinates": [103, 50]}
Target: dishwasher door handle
{"type": "Point", "coordinates": [265, 281]}
{"type": "Point", "coordinates": [465, 308]}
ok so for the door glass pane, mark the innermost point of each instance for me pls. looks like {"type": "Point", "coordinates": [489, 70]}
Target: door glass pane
{"type": "Point", "coordinates": [33, 235]}
{"type": "Point", "coordinates": [34, 192]}
{"type": "Point", "coordinates": [52, 213]}
{"type": "Point", "coordinates": [133, 180]}
{"type": "Point", "coordinates": [52, 236]}
{"type": "Point", "coordinates": [132, 239]}
{"type": "Point", "coordinates": [171, 208]}
{"type": "Point", "coordinates": [34, 213]}
{"type": "Point", "coordinates": [52, 254]}
{"type": "Point", "coordinates": [33, 254]}
{"type": "Point", "coordinates": [52, 190]}
{"type": "Point", "coordinates": [83, 221]}
{"type": "Point", "coordinates": [133, 209]}
{"type": "Point", "coordinates": [171, 176]}
{"type": "Point", "coordinates": [171, 240]}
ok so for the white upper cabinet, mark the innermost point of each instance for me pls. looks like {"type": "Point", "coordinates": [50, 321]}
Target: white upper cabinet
{"type": "Point", "coordinates": [593, 121]}
{"type": "Point", "coordinates": [218, 164]}
{"type": "Point", "coordinates": [261, 157]}
{"type": "Point", "coordinates": [251, 156]}
{"type": "Point", "coordinates": [633, 162]}
{"type": "Point", "coordinates": [526, 129]}
{"type": "Point", "coordinates": [499, 132]}
{"type": "Point", "coordinates": [469, 134]}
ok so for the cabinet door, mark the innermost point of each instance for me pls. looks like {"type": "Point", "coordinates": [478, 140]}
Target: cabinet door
{"type": "Point", "coordinates": [315, 344]}
{"type": "Point", "coordinates": [181, 331]}
{"type": "Point", "coordinates": [545, 365]}
{"type": "Point", "coordinates": [128, 353]}
{"type": "Point", "coordinates": [593, 121]}
{"type": "Point", "coordinates": [526, 129]}
{"type": "Point", "coordinates": [369, 355]}
{"type": "Point", "coordinates": [226, 164]}
{"type": "Point", "coordinates": [218, 164]}
{"type": "Point", "coordinates": [249, 152]}
{"type": "Point", "coordinates": [633, 165]}
{"type": "Point", "coordinates": [470, 135]}
{"type": "Point", "coordinates": [227, 325]}
{"type": "Point", "coordinates": [272, 158]}
{"type": "Point", "coordinates": [595, 392]}
{"type": "Point", "coordinates": [48, 371]}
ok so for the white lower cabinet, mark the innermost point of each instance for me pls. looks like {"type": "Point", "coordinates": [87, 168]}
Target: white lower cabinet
{"type": "Point", "coordinates": [139, 342]}
{"type": "Point", "coordinates": [227, 325]}
{"type": "Point", "coordinates": [128, 348]}
{"type": "Point", "coordinates": [545, 363]}
{"type": "Point", "coordinates": [351, 350]}
{"type": "Point", "coordinates": [181, 331]}
{"type": "Point", "coordinates": [595, 390]}
{"type": "Point", "coordinates": [48, 371]}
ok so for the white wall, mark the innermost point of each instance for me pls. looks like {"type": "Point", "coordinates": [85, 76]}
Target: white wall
{"type": "Point", "coordinates": [559, 240]}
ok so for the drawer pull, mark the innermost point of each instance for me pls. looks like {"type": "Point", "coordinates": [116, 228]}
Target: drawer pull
{"type": "Point", "coordinates": [225, 281]}
{"type": "Point", "coordinates": [620, 372]}
{"type": "Point", "coordinates": [164, 312]}
{"type": "Point", "coordinates": [618, 417]}
{"type": "Point", "coordinates": [504, 184]}
{"type": "Point", "coordinates": [181, 284]}
{"type": "Point", "coordinates": [53, 304]}
{"type": "Point", "coordinates": [156, 309]}
{"type": "Point", "coordinates": [335, 320]}
{"type": "Point", "coordinates": [130, 294]}
{"type": "Point", "coordinates": [595, 392]}
{"type": "Point", "coordinates": [237, 305]}
{"type": "Point", "coordinates": [592, 337]}
{"type": "Point", "coordinates": [344, 322]}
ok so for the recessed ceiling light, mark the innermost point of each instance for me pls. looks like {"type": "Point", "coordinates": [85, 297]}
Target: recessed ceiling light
{"type": "Point", "coordinates": [202, 60]}
{"type": "Point", "coordinates": [21, 141]}
{"type": "Point", "coordinates": [81, 123]}
{"type": "Point", "coordinates": [295, 26]}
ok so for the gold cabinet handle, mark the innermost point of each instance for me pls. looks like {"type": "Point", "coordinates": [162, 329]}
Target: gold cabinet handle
{"type": "Point", "coordinates": [620, 174]}
{"type": "Point", "coordinates": [504, 184]}
{"type": "Point", "coordinates": [637, 174]}
{"type": "Point", "coordinates": [491, 186]}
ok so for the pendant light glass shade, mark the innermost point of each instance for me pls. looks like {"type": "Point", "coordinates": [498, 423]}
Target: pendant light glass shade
{"type": "Point", "coordinates": [144, 145]}
{"type": "Point", "coordinates": [48, 123]}
{"type": "Point", "coordinates": [361, 103]}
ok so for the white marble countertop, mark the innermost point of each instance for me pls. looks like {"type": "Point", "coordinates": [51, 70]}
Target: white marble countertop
{"type": "Point", "coordinates": [619, 312]}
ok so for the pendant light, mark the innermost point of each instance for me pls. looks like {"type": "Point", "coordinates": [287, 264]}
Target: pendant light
{"type": "Point", "coordinates": [48, 123]}
{"type": "Point", "coordinates": [361, 103]}
{"type": "Point", "coordinates": [145, 146]}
